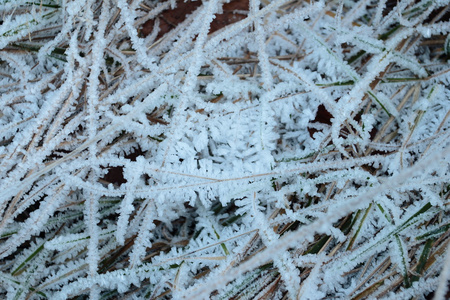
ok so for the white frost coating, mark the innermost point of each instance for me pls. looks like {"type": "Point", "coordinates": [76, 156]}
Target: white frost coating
{"type": "Point", "coordinates": [300, 152]}
{"type": "Point", "coordinates": [444, 278]}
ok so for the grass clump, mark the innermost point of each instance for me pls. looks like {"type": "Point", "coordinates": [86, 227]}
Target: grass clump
{"type": "Point", "coordinates": [211, 149]}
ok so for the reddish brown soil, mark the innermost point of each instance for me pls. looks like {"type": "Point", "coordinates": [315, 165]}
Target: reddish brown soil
{"type": "Point", "coordinates": [169, 19]}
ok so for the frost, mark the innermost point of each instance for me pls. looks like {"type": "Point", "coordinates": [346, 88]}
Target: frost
{"type": "Point", "coordinates": [300, 150]}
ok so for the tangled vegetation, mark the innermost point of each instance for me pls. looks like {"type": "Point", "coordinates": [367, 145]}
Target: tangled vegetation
{"type": "Point", "coordinates": [292, 149]}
